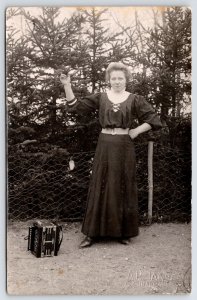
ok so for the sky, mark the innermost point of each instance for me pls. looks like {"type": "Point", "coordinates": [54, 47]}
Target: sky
{"type": "Point", "coordinates": [124, 15]}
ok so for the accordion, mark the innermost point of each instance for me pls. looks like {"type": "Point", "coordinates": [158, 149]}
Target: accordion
{"type": "Point", "coordinates": [45, 238]}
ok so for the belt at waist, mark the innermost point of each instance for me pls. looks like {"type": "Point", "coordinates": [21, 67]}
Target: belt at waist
{"type": "Point", "coordinates": [114, 131]}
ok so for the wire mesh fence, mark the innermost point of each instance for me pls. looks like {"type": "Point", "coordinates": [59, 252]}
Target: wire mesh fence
{"type": "Point", "coordinates": [172, 184]}
{"type": "Point", "coordinates": [55, 185]}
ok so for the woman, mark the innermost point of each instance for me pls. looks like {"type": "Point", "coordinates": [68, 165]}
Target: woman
{"type": "Point", "coordinates": [112, 204]}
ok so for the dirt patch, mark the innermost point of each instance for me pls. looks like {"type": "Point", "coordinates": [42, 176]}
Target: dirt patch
{"type": "Point", "coordinates": [158, 261]}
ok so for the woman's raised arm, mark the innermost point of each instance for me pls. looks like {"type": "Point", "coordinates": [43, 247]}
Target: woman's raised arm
{"type": "Point", "coordinates": [65, 80]}
{"type": "Point", "coordinates": [80, 106]}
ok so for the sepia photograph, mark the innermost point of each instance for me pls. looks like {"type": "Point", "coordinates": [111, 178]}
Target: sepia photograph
{"type": "Point", "coordinates": [98, 150]}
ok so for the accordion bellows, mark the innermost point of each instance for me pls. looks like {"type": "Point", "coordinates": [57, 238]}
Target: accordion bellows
{"type": "Point", "coordinates": [45, 238]}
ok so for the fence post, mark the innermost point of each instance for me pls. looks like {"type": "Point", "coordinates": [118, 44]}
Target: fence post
{"type": "Point", "coordinates": [150, 181]}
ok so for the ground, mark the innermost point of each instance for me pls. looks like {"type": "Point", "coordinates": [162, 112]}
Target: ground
{"type": "Point", "coordinates": [158, 261]}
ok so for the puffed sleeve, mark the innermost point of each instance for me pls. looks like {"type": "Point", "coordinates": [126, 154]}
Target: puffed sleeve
{"type": "Point", "coordinates": [84, 105]}
{"type": "Point", "coordinates": [146, 114]}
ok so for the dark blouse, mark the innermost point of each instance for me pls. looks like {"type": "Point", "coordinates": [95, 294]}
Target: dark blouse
{"type": "Point", "coordinates": [117, 115]}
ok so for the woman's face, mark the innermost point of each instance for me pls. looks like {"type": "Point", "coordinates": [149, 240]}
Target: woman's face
{"type": "Point", "coordinates": [117, 81]}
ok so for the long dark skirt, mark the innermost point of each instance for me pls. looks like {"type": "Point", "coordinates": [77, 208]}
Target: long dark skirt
{"type": "Point", "coordinates": [112, 204]}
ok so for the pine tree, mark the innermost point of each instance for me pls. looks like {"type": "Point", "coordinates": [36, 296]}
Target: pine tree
{"type": "Point", "coordinates": [170, 45]}
{"type": "Point", "coordinates": [102, 44]}
{"type": "Point", "coordinates": [18, 87]}
{"type": "Point", "coordinates": [45, 50]}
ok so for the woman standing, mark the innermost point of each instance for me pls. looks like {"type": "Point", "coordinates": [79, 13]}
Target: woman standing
{"type": "Point", "coordinates": [112, 204]}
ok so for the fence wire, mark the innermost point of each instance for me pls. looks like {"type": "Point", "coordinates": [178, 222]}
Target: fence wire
{"type": "Point", "coordinates": [55, 186]}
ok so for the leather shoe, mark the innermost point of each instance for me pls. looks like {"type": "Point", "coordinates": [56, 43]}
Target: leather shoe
{"type": "Point", "coordinates": [125, 241]}
{"type": "Point", "coordinates": [87, 242]}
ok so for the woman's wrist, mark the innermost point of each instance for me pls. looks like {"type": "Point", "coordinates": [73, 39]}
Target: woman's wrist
{"type": "Point", "coordinates": [143, 128]}
{"type": "Point", "coordinates": [138, 130]}
{"type": "Point", "coordinates": [67, 86]}
{"type": "Point", "coordinates": [69, 92]}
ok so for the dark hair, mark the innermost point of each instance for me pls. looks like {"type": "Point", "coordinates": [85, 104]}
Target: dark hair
{"type": "Point", "coordinates": [117, 66]}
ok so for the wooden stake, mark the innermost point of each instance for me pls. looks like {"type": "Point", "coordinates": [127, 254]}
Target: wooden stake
{"type": "Point", "coordinates": [150, 181]}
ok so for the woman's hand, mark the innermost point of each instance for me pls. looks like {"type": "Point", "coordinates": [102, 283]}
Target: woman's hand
{"type": "Point", "coordinates": [133, 133]}
{"type": "Point", "coordinates": [65, 79]}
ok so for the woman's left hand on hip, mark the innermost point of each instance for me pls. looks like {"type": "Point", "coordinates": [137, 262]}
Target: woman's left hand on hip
{"type": "Point", "coordinates": [133, 133]}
